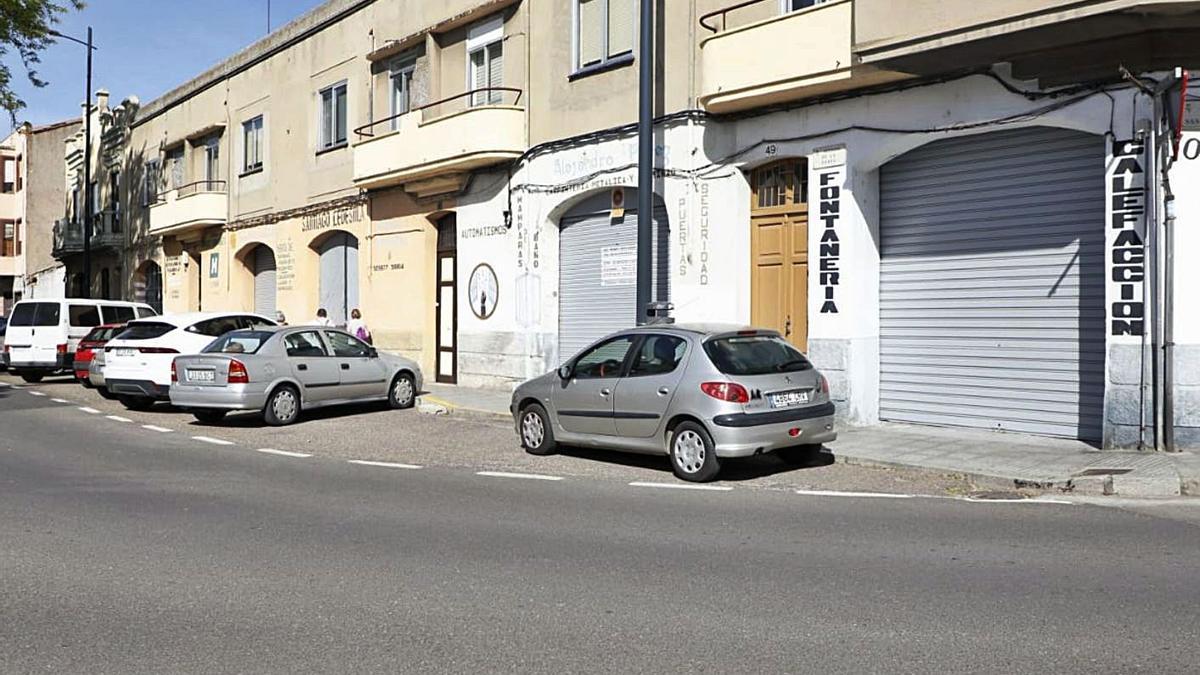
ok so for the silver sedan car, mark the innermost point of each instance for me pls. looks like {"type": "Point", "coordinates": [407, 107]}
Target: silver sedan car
{"type": "Point", "coordinates": [284, 370]}
{"type": "Point", "coordinates": [695, 393]}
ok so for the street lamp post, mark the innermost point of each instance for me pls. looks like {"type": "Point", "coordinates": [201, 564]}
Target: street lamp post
{"type": "Point", "coordinates": [87, 161]}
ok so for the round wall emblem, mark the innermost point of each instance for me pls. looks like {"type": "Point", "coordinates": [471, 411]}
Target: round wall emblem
{"type": "Point", "coordinates": [483, 289]}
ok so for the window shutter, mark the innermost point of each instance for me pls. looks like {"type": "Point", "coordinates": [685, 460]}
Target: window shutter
{"type": "Point", "coordinates": [591, 32]}
{"type": "Point", "coordinates": [340, 94]}
{"type": "Point", "coordinates": [17, 237]}
{"type": "Point", "coordinates": [495, 70]}
{"type": "Point", "coordinates": [478, 75]}
{"type": "Point", "coordinates": [620, 27]}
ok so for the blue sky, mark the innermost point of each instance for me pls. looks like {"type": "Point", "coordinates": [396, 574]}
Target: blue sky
{"type": "Point", "coordinates": [146, 47]}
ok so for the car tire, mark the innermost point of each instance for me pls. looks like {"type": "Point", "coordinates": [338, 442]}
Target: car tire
{"type": "Point", "coordinates": [799, 455]}
{"type": "Point", "coordinates": [537, 436]}
{"type": "Point", "coordinates": [138, 403]}
{"type": "Point", "coordinates": [402, 393]}
{"type": "Point", "coordinates": [84, 383]}
{"type": "Point", "coordinates": [283, 406]}
{"type": "Point", "coordinates": [693, 455]}
{"type": "Point", "coordinates": [32, 378]}
{"type": "Point", "coordinates": [105, 393]}
{"type": "Point", "coordinates": [209, 416]}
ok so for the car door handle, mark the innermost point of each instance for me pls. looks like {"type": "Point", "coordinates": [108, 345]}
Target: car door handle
{"type": "Point", "coordinates": [302, 366]}
{"type": "Point", "coordinates": [605, 391]}
{"type": "Point", "coordinates": [663, 391]}
{"type": "Point", "coordinates": [345, 366]}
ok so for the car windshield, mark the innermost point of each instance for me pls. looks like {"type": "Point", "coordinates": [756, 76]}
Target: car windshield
{"type": "Point", "coordinates": [102, 334]}
{"type": "Point", "coordinates": [35, 314]}
{"type": "Point", "coordinates": [239, 342]}
{"type": "Point", "coordinates": [145, 330]}
{"type": "Point", "coordinates": [755, 355]}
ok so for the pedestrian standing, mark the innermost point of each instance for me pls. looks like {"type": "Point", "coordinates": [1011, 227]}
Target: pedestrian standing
{"type": "Point", "coordinates": [323, 318]}
{"type": "Point", "coordinates": [357, 327]}
{"type": "Point", "coordinates": [280, 319]}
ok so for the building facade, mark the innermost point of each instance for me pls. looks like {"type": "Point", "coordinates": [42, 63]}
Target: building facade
{"type": "Point", "coordinates": [963, 214]}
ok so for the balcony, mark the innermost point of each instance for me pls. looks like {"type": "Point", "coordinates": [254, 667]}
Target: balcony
{"type": "Point", "coordinates": [431, 149]}
{"type": "Point", "coordinates": [68, 237]}
{"type": "Point", "coordinates": [195, 205]}
{"type": "Point", "coordinates": [751, 61]}
{"type": "Point", "coordinates": [107, 232]}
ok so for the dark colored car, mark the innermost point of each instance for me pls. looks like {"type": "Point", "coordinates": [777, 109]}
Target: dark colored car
{"type": "Point", "coordinates": [3, 330]}
{"type": "Point", "coordinates": [89, 345]}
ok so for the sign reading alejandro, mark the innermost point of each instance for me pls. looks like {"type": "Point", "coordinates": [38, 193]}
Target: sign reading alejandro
{"type": "Point", "coordinates": [1126, 238]}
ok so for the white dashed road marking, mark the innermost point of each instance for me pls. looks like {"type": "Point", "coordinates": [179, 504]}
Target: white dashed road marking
{"type": "Point", "coordinates": [90, 411]}
{"type": "Point", "coordinates": [118, 418]}
{"type": "Point", "coordinates": [214, 441]}
{"type": "Point", "coordinates": [835, 493]}
{"type": "Point", "coordinates": [161, 430]}
{"type": "Point", "coordinates": [36, 393]}
{"type": "Point", "coordinates": [682, 486]}
{"type": "Point", "coordinates": [285, 453]}
{"type": "Point", "coordinates": [60, 400]}
{"type": "Point", "coordinates": [386, 465]}
{"type": "Point", "coordinates": [526, 476]}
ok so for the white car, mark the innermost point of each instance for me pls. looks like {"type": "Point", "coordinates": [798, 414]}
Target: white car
{"type": "Point", "coordinates": [137, 363]}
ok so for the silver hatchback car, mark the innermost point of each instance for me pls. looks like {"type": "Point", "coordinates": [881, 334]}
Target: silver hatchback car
{"type": "Point", "coordinates": [284, 370]}
{"type": "Point", "coordinates": [696, 393]}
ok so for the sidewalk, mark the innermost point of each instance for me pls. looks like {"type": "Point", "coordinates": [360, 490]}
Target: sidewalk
{"type": "Point", "coordinates": [1047, 463]}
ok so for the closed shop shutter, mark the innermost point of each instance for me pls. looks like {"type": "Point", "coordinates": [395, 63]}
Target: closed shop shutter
{"type": "Point", "coordinates": [992, 283]}
{"type": "Point", "coordinates": [339, 276]}
{"type": "Point", "coordinates": [598, 271]}
{"type": "Point", "coordinates": [264, 281]}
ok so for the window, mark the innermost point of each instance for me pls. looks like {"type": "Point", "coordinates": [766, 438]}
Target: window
{"type": "Point", "coordinates": [333, 116]}
{"type": "Point", "coordinates": [212, 162]}
{"type": "Point", "coordinates": [8, 175]}
{"type": "Point", "coordinates": [117, 314]}
{"type": "Point", "coordinates": [38, 314]}
{"type": "Point", "coordinates": [175, 171]}
{"type": "Point", "coordinates": [94, 190]}
{"type": "Point", "coordinates": [755, 355]}
{"type": "Point", "coordinates": [145, 311]}
{"type": "Point", "coordinates": [10, 239]}
{"type": "Point", "coordinates": [401, 77]}
{"type": "Point", "coordinates": [76, 204]}
{"type": "Point", "coordinates": [150, 182]}
{"type": "Point", "coordinates": [145, 330]}
{"type": "Point", "coordinates": [658, 355]}
{"type": "Point", "coordinates": [485, 61]}
{"type": "Point", "coordinates": [84, 316]}
{"type": "Point", "coordinates": [604, 32]}
{"type": "Point", "coordinates": [345, 346]}
{"type": "Point", "coordinates": [250, 322]}
{"type": "Point", "coordinates": [780, 184]}
{"type": "Point", "coordinates": [793, 5]}
{"type": "Point", "coordinates": [307, 343]}
{"type": "Point", "coordinates": [604, 360]}
{"type": "Point", "coordinates": [216, 327]}
{"type": "Point", "coordinates": [114, 199]}
{"type": "Point", "coordinates": [252, 144]}
{"type": "Point", "coordinates": [239, 342]}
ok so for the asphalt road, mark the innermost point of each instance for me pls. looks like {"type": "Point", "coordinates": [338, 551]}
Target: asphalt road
{"type": "Point", "coordinates": [125, 549]}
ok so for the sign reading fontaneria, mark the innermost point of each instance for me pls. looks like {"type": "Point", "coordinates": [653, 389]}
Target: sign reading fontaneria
{"type": "Point", "coordinates": [829, 173]}
{"type": "Point", "coordinates": [1126, 237]}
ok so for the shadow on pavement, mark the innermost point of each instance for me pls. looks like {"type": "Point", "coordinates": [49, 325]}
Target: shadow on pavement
{"type": "Point", "coordinates": [739, 469]}
{"type": "Point", "coordinates": [253, 419]}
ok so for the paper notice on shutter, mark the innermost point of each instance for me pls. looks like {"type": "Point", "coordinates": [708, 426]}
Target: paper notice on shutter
{"type": "Point", "coordinates": [618, 266]}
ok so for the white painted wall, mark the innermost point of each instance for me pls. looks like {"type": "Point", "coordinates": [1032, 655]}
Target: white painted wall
{"type": "Point", "coordinates": [1185, 184]}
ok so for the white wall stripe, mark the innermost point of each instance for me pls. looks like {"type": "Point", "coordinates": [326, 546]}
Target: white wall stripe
{"type": "Point", "coordinates": [117, 418]}
{"type": "Point", "coordinates": [386, 465]}
{"type": "Point", "coordinates": [60, 400]}
{"type": "Point", "coordinates": [836, 493]}
{"type": "Point", "coordinates": [527, 476]}
{"type": "Point", "coordinates": [35, 393]}
{"type": "Point", "coordinates": [161, 430]}
{"type": "Point", "coordinates": [285, 453]}
{"type": "Point", "coordinates": [213, 441]}
{"type": "Point", "coordinates": [90, 411]}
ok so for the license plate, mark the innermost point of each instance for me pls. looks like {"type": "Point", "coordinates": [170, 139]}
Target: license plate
{"type": "Point", "coordinates": [200, 375]}
{"type": "Point", "coordinates": [128, 353]}
{"type": "Point", "coordinates": [788, 398]}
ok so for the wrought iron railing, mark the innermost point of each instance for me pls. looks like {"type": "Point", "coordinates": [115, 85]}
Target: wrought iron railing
{"type": "Point", "coordinates": [706, 21]}
{"type": "Point", "coordinates": [475, 98]}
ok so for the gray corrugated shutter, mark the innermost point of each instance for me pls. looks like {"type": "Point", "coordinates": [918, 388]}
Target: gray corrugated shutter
{"type": "Point", "coordinates": [597, 292]}
{"type": "Point", "coordinates": [264, 281]}
{"type": "Point", "coordinates": [339, 276]}
{"type": "Point", "coordinates": [992, 283]}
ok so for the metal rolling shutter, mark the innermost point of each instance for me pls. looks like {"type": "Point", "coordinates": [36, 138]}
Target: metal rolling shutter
{"type": "Point", "coordinates": [992, 283]}
{"type": "Point", "coordinates": [593, 302]}
{"type": "Point", "coordinates": [264, 281]}
{"type": "Point", "coordinates": [339, 276]}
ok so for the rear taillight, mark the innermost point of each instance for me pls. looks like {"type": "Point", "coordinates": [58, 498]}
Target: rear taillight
{"type": "Point", "coordinates": [62, 349]}
{"type": "Point", "coordinates": [726, 391]}
{"type": "Point", "coordinates": [237, 373]}
{"type": "Point", "coordinates": [174, 373]}
{"type": "Point", "coordinates": [157, 350]}
{"type": "Point", "coordinates": [824, 385]}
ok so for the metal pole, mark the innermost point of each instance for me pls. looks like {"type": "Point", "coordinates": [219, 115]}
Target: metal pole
{"type": "Point", "coordinates": [87, 176]}
{"type": "Point", "coordinates": [645, 206]}
{"type": "Point", "coordinates": [1169, 324]}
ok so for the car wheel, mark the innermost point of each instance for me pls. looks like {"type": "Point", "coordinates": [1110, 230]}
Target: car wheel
{"type": "Point", "coordinates": [403, 392]}
{"type": "Point", "coordinates": [209, 416]}
{"type": "Point", "coordinates": [139, 403]}
{"type": "Point", "coordinates": [283, 407]}
{"type": "Point", "coordinates": [32, 378]}
{"type": "Point", "coordinates": [105, 393]}
{"type": "Point", "coordinates": [537, 437]}
{"type": "Point", "coordinates": [693, 457]}
{"type": "Point", "coordinates": [800, 455]}
{"type": "Point", "coordinates": [84, 382]}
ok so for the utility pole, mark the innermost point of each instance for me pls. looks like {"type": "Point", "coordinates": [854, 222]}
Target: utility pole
{"type": "Point", "coordinates": [87, 176]}
{"type": "Point", "coordinates": [645, 205]}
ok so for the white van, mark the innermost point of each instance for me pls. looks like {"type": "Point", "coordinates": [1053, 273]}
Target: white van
{"type": "Point", "coordinates": [42, 334]}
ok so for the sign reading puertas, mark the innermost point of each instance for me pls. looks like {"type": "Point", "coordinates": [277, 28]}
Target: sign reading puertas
{"type": "Point", "coordinates": [1126, 238]}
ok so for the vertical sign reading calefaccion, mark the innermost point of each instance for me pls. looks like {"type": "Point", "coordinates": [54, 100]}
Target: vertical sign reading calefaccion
{"type": "Point", "coordinates": [828, 177]}
{"type": "Point", "coordinates": [1126, 237]}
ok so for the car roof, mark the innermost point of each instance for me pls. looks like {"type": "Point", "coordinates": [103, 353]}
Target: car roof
{"type": "Point", "coordinates": [704, 329]}
{"type": "Point", "coordinates": [189, 318]}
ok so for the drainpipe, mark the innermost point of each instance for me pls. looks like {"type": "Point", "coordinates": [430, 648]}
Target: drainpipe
{"type": "Point", "coordinates": [645, 238]}
{"type": "Point", "coordinates": [1169, 320]}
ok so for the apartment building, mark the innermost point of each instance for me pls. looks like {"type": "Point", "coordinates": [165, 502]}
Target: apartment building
{"type": "Point", "coordinates": [464, 172]}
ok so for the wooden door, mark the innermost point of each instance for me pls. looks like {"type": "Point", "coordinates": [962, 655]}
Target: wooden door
{"type": "Point", "coordinates": [779, 250]}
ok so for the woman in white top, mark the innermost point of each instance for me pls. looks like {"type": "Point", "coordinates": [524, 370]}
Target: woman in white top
{"type": "Point", "coordinates": [357, 327]}
{"type": "Point", "coordinates": [322, 318]}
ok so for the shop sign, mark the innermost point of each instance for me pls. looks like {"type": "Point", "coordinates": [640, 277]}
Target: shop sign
{"type": "Point", "coordinates": [1127, 226]}
{"type": "Point", "coordinates": [829, 175]}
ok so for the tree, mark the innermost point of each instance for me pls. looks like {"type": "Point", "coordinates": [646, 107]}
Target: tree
{"type": "Point", "coordinates": [25, 28]}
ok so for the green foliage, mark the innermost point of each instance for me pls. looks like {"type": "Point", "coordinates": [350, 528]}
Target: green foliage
{"type": "Point", "coordinates": [25, 29]}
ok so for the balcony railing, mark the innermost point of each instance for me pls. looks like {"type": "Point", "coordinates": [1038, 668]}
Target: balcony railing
{"type": "Point", "coordinates": [429, 148]}
{"type": "Point", "coordinates": [68, 237]}
{"type": "Point", "coordinates": [198, 204]}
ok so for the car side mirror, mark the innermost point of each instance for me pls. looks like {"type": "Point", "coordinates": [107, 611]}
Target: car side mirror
{"type": "Point", "coordinates": [565, 371]}
{"type": "Point", "coordinates": [372, 352]}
